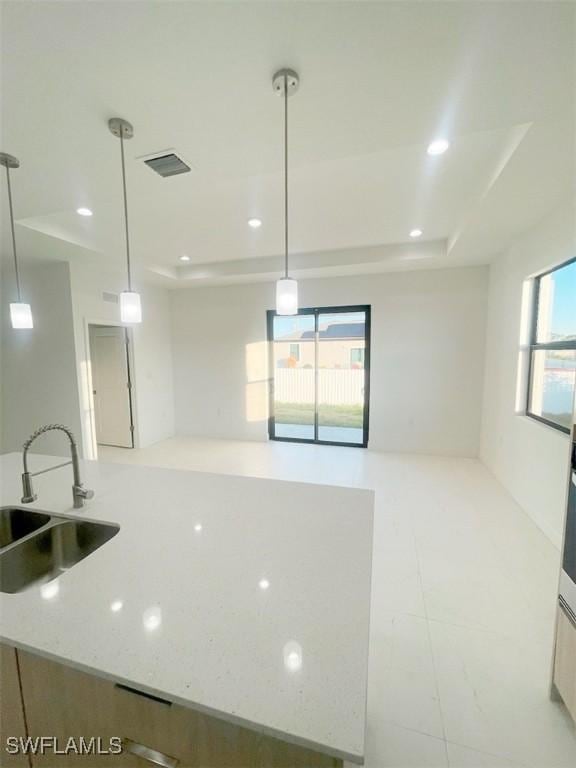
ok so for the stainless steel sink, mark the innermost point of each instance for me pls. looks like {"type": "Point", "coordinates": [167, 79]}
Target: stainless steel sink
{"type": "Point", "coordinates": [50, 550]}
{"type": "Point", "coordinates": [15, 523]}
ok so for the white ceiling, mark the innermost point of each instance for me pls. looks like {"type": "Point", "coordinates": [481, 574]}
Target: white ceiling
{"type": "Point", "coordinates": [378, 82]}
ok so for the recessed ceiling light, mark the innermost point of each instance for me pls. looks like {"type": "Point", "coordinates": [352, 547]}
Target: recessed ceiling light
{"type": "Point", "coordinates": [263, 583]}
{"type": "Point", "coordinates": [415, 233]}
{"type": "Point", "coordinates": [84, 211]}
{"type": "Point", "coordinates": [438, 147]}
{"type": "Point", "coordinates": [184, 257]}
{"type": "Point", "coordinates": [255, 223]}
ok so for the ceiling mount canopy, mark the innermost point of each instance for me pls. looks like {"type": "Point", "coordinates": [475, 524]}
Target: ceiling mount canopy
{"type": "Point", "coordinates": [285, 83]}
{"type": "Point", "coordinates": [130, 305]}
{"type": "Point", "coordinates": [286, 77]}
{"type": "Point", "coordinates": [9, 161]}
{"type": "Point", "coordinates": [20, 311]}
{"type": "Point", "coordinates": [121, 128]}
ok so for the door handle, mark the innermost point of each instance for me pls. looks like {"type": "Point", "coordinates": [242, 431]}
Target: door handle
{"type": "Point", "coordinates": [149, 754]}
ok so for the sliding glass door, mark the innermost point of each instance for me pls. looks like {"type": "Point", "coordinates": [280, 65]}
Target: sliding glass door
{"type": "Point", "coordinates": [319, 378]}
{"type": "Point", "coordinates": [293, 354]}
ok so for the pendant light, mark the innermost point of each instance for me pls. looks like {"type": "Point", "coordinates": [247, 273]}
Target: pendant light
{"type": "Point", "coordinates": [285, 83]}
{"type": "Point", "coordinates": [130, 306]}
{"type": "Point", "coordinates": [20, 312]}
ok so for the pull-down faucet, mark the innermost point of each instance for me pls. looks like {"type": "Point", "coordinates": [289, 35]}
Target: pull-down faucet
{"type": "Point", "coordinates": [79, 493]}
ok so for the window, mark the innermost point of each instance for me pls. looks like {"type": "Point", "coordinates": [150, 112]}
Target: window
{"type": "Point", "coordinates": [320, 394]}
{"type": "Point", "coordinates": [357, 357]}
{"type": "Point", "coordinates": [552, 377]}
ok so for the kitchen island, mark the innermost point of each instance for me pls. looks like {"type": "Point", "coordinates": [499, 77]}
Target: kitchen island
{"type": "Point", "coordinates": [245, 600]}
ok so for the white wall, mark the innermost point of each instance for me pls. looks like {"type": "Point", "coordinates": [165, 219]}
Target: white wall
{"type": "Point", "coordinates": [529, 458]}
{"type": "Point", "coordinates": [151, 352]}
{"type": "Point", "coordinates": [427, 357]}
{"type": "Point", "coordinates": [39, 383]}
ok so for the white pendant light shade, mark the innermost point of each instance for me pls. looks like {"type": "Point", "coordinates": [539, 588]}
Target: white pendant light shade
{"type": "Point", "coordinates": [130, 307]}
{"type": "Point", "coordinates": [286, 296]}
{"type": "Point", "coordinates": [21, 315]}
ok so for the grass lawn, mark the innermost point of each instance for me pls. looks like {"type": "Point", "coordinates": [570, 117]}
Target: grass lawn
{"type": "Point", "coordinates": [328, 415]}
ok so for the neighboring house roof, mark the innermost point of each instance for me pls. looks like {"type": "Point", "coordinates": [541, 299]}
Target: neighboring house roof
{"type": "Point", "coordinates": [338, 331]}
{"type": "Point", "coordinates": [293, 336]}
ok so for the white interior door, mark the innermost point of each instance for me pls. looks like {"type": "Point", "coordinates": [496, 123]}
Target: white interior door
{"type": "Point", "coordinates": [111, 385]}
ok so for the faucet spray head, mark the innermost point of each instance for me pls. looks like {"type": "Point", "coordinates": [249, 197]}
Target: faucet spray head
{"type": "Point", "coordinates": [28, 495]}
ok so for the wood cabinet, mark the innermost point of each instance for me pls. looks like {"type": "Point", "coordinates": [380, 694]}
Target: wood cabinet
{"type": "Point", "coordinates": [565, 661]}
{"type": "Point", "coordinates": [12, 721]}
{"type": "Point", "coordinates": [63, 702]}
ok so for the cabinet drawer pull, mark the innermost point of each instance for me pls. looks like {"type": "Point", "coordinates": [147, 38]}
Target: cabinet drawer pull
{"type": "Point", "coordinates": [136, 692]}
{"type": "Point", "coordinates": [149, 754]}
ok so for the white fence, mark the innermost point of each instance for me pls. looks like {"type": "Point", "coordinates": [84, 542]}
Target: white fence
{"type": "Point", "coordinates": [335, 387]}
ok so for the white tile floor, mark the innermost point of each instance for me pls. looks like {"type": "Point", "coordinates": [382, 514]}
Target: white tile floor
{"type": "Point", "coordinates": [463, 606]}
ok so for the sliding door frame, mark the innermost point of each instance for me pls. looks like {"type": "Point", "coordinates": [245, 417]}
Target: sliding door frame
{"type": "Point", "coordinates": [316, 312]}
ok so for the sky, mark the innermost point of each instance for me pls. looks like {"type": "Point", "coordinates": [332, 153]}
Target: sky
{"type": "Point", "coordinates": [564, 305]}
{"type": "Point", "coordinates": [284, 325]}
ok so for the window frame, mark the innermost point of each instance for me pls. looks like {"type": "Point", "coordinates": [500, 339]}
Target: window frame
{"type": "Point", "coordinates": [316, 312]}
{"type": "Point", "coordinates": [536, 346]}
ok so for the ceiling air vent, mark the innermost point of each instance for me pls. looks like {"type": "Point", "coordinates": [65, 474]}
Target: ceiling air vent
{"type": "Point", "coordinates": [111, 297]}
{"type": "Point", "coordinates": [168, 164]}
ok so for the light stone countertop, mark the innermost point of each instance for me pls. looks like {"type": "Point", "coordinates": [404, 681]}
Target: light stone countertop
{"type": "Point", "coordinates": [174, 604]}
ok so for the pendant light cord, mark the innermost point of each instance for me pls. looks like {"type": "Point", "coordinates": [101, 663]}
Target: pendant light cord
{"type": "Point", "coordinates": [285, 175]}
{"type": "Point", "coordinates": [125, 208]}
{"type": "Point", "coordinates": [13, 234]}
